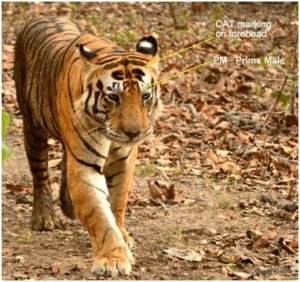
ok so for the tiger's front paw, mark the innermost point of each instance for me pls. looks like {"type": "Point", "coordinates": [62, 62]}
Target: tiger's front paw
{"type": "Point", "coordinates": [129, 241]}
{"type": "Point", "coordinates": [127, 238]}
{"type": "Point", "coordinates": [113, 263]}
{"type": "Point", "coordinates": [44, 218]}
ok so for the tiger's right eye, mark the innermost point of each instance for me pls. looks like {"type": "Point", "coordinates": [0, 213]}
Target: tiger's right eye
{"type": "Point", "coordinates": [146, 96]}
{"type": "Point", "coordinates": [113, 97]}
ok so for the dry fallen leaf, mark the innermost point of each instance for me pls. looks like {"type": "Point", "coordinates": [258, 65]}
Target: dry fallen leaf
{"type": "Point", "coordinates": [188, 255]}
{"type": "Point", "coordinates": [18, 188]}
{"type": "Point", "coordinates": [54, 163]}
{"type": "Point", "coordinates": [230, 167]}
{"type": "Point", "coordinates": [167, 189]}
{"type": "Point", "coordinates": [155, 192]}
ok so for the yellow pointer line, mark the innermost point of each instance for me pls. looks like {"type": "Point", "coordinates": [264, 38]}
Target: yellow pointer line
{"type": "Point", "coordinates": [179, 52]}
{"type": "Point", "coordinates": [176, 75]}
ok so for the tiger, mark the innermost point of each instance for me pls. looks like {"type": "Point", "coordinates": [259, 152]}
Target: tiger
{"type": "Point", "coordinates": [100, 101]}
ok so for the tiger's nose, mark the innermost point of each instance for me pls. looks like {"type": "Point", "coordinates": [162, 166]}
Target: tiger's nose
{"type": "Point", "coordinates": [132, 134]}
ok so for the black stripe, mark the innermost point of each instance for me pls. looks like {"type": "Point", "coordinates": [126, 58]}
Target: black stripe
{"type": "Point", "coordinates": [116, 149]}
{"type": "Point", "coordinates": [115, 50]}
{"type": "Point", "coordinates": [33, 39]}
{"type": "Point", "coordinates": [51, 85]}
{"type": "Point", "coordinates": [104, 62]}
{"type": "Point", "coordinates": [121, 159]}
{"type": "Point", "coordinates": [112, 186]}
{"type": "Point", "coordinates": [81, 85]}
{"type": "Point", "coordinates": [119, 51]}
{"type": "Point", "coordinates": [135, 57]}
{"type": "Point", "coordinates": [43, 40]}
{"type": "Point", "coordinates": [37, 160]}
{"type": "Point", "coordinates": [46, 177]}
{"type": "Point", "coordinates": [87, 145]}
{"type": "Point", "coordinates": [34, 25]}
{"type": "Point", "coordinates": [99, 84]}
{"type": "Point", "coordinates": [138, 72]}
{"type": "Point", "coordinates": [34, 145]}
{"type": "Point", "coordinates": [41, 185]}
{"type": "Point", "coordinates": [99, 189]}
{"type": "Point", "coordinates": [71, 34]}
{"type": "Point", "coordinates": [110, 178]}
{"type": "Point", "coordinates": [38, 170]}
{"type": "Point", "coordinates": [126, 63]}
{"type": "Point", "coordinates": [96, 167]}
{"type": "Point", "coordinates": [66, 52]}
{"type": "Point", "coordinates": [86, 109]}
{"type": "Point", "coordinates": [135, 62]}
{"type": "Point", "coordinates": [89, 42]}
{"type": "Point", "coordinates": [114, 65]}
{"type": "Point", "coordinates": [155, 103]}
{"type": "Point", "coordinates": [95, 109]}
{"type": "Point", "coordinates": [99, 49]}
{"type": "Point", "coordinates": [88, 98]}
{"type": "Point", "coordinates": [37, 138]}
{"type": "Point", "coordinates": [71, 98]}
{"type": "Point", "coordinates": [118, 75]}
{"type": "Point", "coordinates": [69, 87]}
{"type": "Point", "coordinates": [47, 72]}
{"type": "Point", "coordinates": [106, 40]}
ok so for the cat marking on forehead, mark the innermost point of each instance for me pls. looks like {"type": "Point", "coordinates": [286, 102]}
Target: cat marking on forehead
{"type": "Point", "coordinates": [146, 44]}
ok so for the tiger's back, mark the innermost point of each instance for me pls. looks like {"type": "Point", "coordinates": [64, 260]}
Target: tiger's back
{"type": "Point", "coordinates": [39, 55]}
{"type": "Point", "coordinates": [100, 102]}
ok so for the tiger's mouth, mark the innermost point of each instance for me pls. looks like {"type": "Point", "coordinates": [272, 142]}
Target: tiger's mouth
{"type": "Point", "coordinates": [128, 138]}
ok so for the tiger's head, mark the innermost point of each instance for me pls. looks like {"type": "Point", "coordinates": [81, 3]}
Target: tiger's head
{"type": "Point", "coordinates": [113, 97]}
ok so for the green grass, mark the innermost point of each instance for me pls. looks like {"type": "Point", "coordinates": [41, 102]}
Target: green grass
{"type": "Point", "coordinates": [58, 234]}
{"type": "Point", "coordinates": [225, 201]}
{"type": "Point", "coordinates": [122, 38]}
{"type": "Point", "coordinates": [149, 169]}
{"type": "Point", "coordinates": [26, 238]}
{"type": "Point", "coordinates": [179, 237]}
{"type": "Point", "coordinates": [132, 17]}
{"type": "Point", "coordinates": [80, 235]}
{"type": "Point", "coordinates": [202, 207]}
{"type": "Point", "coordinates": [231, 228]}
{"type": "Point", "coordinates": [207, 181]}
{"type": "Point", "coordinates": [74, 7]}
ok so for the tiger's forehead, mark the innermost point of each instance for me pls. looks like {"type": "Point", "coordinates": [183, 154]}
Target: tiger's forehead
{"type": "Point", "coordinates": [126, 75]}
{"type": "Point", "coordinates": [126, 79]}
{"type": "Point", "coordinates": [123, 68]}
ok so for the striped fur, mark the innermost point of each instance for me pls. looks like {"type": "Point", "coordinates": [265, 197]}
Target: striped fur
{"type": "Point", "coordinates": [86, 92]}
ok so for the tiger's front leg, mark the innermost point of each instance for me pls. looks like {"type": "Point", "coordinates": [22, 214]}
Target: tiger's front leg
{"type": "Point", "coordinates": [90, 197]}
{"type": "Point", "coordinates": [119, 174]}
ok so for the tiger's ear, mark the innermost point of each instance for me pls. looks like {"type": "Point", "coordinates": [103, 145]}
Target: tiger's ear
{"type": "Point", "coordinates": [86, 55]}
{"type": "Point", "coordinates": [147, 45]}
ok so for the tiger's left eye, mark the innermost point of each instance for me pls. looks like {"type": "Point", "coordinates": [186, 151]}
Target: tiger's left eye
{"type": "Point", "coordinates": [146, 96]}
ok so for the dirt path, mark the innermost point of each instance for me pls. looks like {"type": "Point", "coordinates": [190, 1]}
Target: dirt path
{"type": "Point", "coordinates": [203, 219]}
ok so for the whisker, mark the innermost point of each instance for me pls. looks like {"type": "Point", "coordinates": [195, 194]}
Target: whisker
{"type": "Point", "coordinates": [94, 137]}
{"type": "Point", "coordinates": [90, 131]}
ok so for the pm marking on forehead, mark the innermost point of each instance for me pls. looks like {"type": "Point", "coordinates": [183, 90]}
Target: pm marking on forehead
{"type": "Point", "coordinates": [118, 75]}
{"type": "Point", "coordinates": [138, 74]}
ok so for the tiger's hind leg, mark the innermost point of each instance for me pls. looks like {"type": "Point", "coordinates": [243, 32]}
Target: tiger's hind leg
{"type": "Point", "coordinates": [43, 215]}
{"type": "Point", "coordinates": [67, 205]}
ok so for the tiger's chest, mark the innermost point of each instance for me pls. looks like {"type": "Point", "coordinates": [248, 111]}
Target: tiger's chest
{"type": "Point", "coordinates": [119, 159]}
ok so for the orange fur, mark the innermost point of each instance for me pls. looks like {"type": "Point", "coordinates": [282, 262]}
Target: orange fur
{"type": "Point", "coordinates": [86, 92]}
